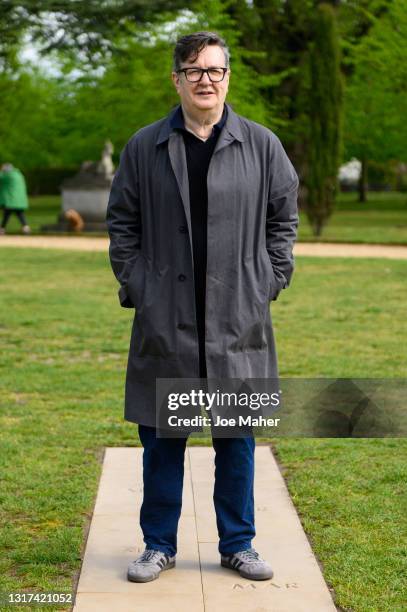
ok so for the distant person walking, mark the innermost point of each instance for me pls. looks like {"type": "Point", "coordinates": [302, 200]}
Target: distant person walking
{"type": "Point", "coordinates": [13, 196]}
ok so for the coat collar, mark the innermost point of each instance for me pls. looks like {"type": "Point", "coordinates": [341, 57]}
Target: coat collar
{"type": "Point", "coordinates": [177, 120]}
{"type": "Point", "coordinates": [231, 130]}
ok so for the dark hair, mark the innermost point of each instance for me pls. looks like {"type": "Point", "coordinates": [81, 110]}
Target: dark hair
{"type": "Point", "coordinates": [193, 44]}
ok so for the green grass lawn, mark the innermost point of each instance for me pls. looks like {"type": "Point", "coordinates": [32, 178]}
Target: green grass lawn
{"type": "Point", "coordinates": [64, 342]}
{"type": "Point", "coordinates": [383, 219]}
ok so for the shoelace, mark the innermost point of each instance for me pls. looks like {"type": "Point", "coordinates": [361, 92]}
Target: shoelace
{"type": "Point", "coordinates": [148, 555]}
{"type": "Point", "coordinates": [250, 555]}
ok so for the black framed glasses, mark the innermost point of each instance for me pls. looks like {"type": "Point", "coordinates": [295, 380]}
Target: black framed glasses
{"type": "Point", "coordinates": [194, 75]}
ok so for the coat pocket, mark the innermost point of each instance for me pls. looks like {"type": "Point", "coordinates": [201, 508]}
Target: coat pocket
{"type": "Point", "coordinates": [156, 318]}
{"type": "Point", "coordinates": [136, 282]}
{"type": "Point", "coordinates": [245, 308]}
{"type": "Point", "coordinates": [273, 289]}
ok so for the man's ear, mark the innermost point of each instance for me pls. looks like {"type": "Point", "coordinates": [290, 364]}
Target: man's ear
{"type": "Point", "coordinates": [175, 79]}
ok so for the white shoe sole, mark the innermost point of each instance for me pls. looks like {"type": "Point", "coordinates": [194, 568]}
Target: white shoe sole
{"type": "Point", "coordinates": [243, 573]}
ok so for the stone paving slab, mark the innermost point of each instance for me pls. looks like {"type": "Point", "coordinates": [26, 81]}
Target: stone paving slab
{"type": "Point", "coordinates": [312, 249]}
{"type": "Point", "coordinates": [198, 582]}
{"type": "Point", "coordinates": [298, 584]}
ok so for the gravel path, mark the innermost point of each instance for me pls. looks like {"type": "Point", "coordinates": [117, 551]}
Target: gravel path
{"type": "Point", "coordinates": [312, 249]}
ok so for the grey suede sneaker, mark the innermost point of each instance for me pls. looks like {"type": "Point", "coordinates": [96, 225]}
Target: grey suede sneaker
{"type": "Point", "coordinates": [149, 565]}
{"type": "Point", "coordinates": [248, 564]}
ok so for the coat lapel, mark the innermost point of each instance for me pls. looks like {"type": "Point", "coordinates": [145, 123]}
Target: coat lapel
{"type": "Point", "coordinates": [178, 158]}
{"type": "Point", "coordinates": [231, 131]}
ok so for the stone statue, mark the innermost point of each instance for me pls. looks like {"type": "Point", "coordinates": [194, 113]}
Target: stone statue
{"type": "Point", "coordinates": [105, 166]}
{"type": "Point", "coordinates": [94, 172]}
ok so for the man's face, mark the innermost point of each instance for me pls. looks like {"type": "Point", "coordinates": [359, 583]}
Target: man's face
{"type": "Point", "coordinates": [203, 95]}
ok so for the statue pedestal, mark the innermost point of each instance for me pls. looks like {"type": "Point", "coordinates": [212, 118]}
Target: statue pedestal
{"type": "Point", "coordinates": [87, 193]}
{"type": "Point", "coordinates": [91, 204]}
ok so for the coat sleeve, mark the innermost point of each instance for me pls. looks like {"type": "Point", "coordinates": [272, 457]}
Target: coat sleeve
{"type": "Point", "coordinates": [123, 218]}
{"type": "Point", "coordinates": [282, 217]}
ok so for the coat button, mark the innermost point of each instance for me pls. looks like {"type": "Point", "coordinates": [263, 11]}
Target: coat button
{"type": "Point", "coordinates": [181, 277]}
{"type": "Point", "coordinates": [183, 229]}
{"type": "Point", "coordinates": [181, 326]}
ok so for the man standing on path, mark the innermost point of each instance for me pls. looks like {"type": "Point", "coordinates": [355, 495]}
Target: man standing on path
{"type": "Point", "coordinates": [202, 219]}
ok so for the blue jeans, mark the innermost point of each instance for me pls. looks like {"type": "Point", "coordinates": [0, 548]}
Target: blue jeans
{"type": "Point", "coordinates": [163, 476]}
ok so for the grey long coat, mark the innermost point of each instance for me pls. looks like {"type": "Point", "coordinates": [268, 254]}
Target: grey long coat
{"type": "Point", "coordinates": [252, 227]}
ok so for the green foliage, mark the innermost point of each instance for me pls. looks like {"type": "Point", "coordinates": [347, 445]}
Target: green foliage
{"type": "Point", "coordinates": [325, 106]}
{"type": "Point", "coordinates": [85, 28]}
{"type": "Point", "coordinates": [72, 117]}
{"type": "Point", "coordinates": [12, 25]}
{"type": "Point", "coordinates": [30, 118]}
{"type": "Point", "coordinates": [116, 63]}
{"type": "Point", "coordinates": [285, 31]}
{"type": "Point", "coordinates": [276, 35]}
{"type": "Point", "coordinates": [375, 97]}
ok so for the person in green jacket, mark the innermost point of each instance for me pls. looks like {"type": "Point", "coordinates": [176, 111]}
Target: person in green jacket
{"type": "Point", "coordinates": [13, 196]}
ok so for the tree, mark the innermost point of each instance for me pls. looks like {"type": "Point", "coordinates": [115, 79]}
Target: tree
{"type": "Point", "coordinates": [72, 115]}
{"type": "Point", "coordinates": [375, 108]}
{"type": "Point", "coordinates": [85, 28]}
{"type": "Point", "coordinates": [30, 127]}
{"type": "Point", "coordinates": [284, 30]}
{"type": "Point", "coordinates": [325, 109]}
